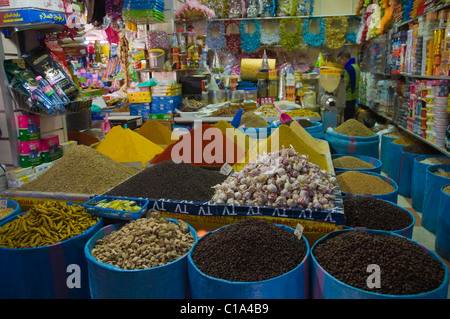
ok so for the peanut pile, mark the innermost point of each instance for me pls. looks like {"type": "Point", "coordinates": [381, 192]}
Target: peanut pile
{"type": "Point", "coordinates": [144, 243]}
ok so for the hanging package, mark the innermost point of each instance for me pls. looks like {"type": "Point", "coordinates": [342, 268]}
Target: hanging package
{"type": "Point", "coordinates": [41, 63]}
{"type": "Point", "coordinates": [433, 185]}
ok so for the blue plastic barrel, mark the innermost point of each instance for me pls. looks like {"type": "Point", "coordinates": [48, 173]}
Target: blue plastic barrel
{"type": "Point", "coordinates": [325, 286]}
{"type": "Point", "coordinates": [384, 151]}
{"type": "Point", "coordinates": [291, 285]}
{"type": "Point", "coordinates": [433, 185]}
{"type": "Point", "coordinates": [418, 177]}
{"type": "Point", "coordinates": [371, 160]}
{"type": "Point", "coordinates": [390, 197]}
{"type": "Point", "coordinates": [442, 243]}
{"type": "Point", "coordinates": [110, 282]}
{"type": "Point", "coordinates": [395, 158]}
{"type": "Point", "coordinates": [405, 173]}
{"type": "Point", "coordinates": [353, 145]}
{"type": "Point", "coordinates": [44, 272]}
{"type": "Point", "coordinates": [317, 130]}
{"type": "Point", "coordinates": [11, 204]}
{"type": "Point", "coordinates": [405, 232]}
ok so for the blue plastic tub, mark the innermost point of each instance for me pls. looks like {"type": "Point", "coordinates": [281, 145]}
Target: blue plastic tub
{"type": "Point", "coordinates": [44, 272]}
{"type": "Point", "coordinates": [418, 178]}
{"type": "Point", "coordinates": [114, 213]}
{"type": "Point", "coordinates": [442, 243]}
{"type": "Point", "coordinates": [9, 203]}
{"type": "Point", "coordinates": [291, 285]}
{"type": "Point", "coordinates": [391, 197]}
{"type": "Point", "coordinates": [433, 186]}
{"type": "Point", "coordinates": [385, 155]}
{"type": "Point", "coordinates": [405, 232]}
{"type": "Point", "coordinates": [395, 159]}
{"type": "Point", "coordinates": [317, 130]}
{"type": "Point", "coordinates": [109, 282]}
{"type": "Point", "coordinates": [325, 286]}
{"type": "Point", "coordinates": [371, 160]}
{"type": "Point", "coordinates": [353, 145]}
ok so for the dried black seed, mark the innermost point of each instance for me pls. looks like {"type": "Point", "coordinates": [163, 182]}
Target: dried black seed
{"type": "Point", "coordinates": [249, 250]}
{"type": "Point", "coordinates": [170, 180]}
{"type": "Point", "coordinates": [405, 267]}
{"type": "Point", "coordinates": [373, 213]}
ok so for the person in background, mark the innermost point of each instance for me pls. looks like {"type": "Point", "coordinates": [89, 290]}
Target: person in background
{"type": "Point", "coordinates": [351, 76]}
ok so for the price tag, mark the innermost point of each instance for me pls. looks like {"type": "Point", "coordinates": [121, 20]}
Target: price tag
{"type": "Point", "coordinates": [298, 231]}
{"type": "Point", "coordinates": [226, 169]}
{"type": "Point", "coordinates": [3, 204]}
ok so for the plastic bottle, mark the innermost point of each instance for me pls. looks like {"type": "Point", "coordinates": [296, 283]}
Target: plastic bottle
{"type": "Point", "coordinates": [48, 90]}
{"type": "Point", "coordinates": [42, 100]}
{"type": "Point", "coordinates": [290, 86]}
{"type": "Point", "coordinates": [59, 91]}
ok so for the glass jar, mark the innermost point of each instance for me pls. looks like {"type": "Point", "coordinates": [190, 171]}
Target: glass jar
{"type": "Point", "coordinates": [262, 85]}
{"type": "Point", "coordinates": [251, 93]}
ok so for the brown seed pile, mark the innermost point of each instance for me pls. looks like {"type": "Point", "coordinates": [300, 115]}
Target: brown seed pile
{"type": "Point", "coordinates": [305, 123]}
{"type": "Point", "coordinates": [250, 119]}
{"type": "Point", "coordinates": [361, 183]}
{"type": "Point", "coordinates": [82, 170]}
{"type": "Point", "coordinates": [372, 213]}
{"type": "Point", "coordinates": [405, 267]}
{"type": "Point", "coordinates": [249, 250]}
{"type": "Point", "coordinates": [144, 243]}
{"type": "Point", "coordinates": [354, 127]}
{"type": "Point", "coordinates": [351, 162]}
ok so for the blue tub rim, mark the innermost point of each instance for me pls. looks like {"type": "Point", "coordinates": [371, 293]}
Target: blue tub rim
{"type": "Point", "coordinates": [435, 256]}
{"type": "Point", "coordinates": [109, 267]}
{"type": "Point", "coordinates": [2, 223]}
{"type": "Point", "coordinates": [375, 137]}
{"type": "Point", "coordinates": [432, 168]}
{"type": "Point", "coordinates": [16, 210]}
{"type": "Point", "coordinates": [393, 183]}
{"type": "Point", "coordinates": [365, 158]}
{"type": "Point", "coordinates": [304, 262]}
{"type": "Point", "coordinates": [442, 190]}
{"type": "Point", "coordinates": [397, 231]}
{"type": "Point", "coordinates": [425, 156]}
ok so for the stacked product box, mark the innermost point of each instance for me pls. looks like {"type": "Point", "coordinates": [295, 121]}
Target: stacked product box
{"type": "Point", "coordinates": [21, 175]}
{"type": "Point", "coordinates": [165, 98]}
{"type": "Point", "coordinates": [140, 99]}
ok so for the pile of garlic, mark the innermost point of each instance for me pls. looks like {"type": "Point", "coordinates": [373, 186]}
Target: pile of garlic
{"type": "Point", "coordinates": [279, 179]}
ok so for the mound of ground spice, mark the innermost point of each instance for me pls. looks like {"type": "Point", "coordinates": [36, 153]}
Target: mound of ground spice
{"type": "Point", "coordinates": [351, 162]}
{"type": "Point", "coordinates": [204, 145]}
{"type": "Point", "coordinates": [361, 183]}
{"type": "Point", "coordinates": [82, 170]}
{"type": "Point", "coordinates": [354, 127]}
{"type": "Point", "coordinates": [250, 119]}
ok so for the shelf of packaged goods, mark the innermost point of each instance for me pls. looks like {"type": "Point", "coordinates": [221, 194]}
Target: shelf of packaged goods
{"type": "Point", "coordinates": [412, 76]}
{"type": "Point", "coordinates": [441, 149]}
{"type": "Point", "coordinates": [280, 17]}
{"type": "Point", "coordinates": [447, 5]}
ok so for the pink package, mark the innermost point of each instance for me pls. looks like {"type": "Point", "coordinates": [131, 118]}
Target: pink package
{"type": "Point", "coordinates": [25, 120]}
{"type": "Point", "coordinates": [26, 148]}
{"type": "Point", "coordinates": [50, 142]}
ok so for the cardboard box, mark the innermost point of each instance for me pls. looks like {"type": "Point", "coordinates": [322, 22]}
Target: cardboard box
{"type": "Point", "coordinates": [29, 127]}
{"type": "Point", "coordinates": [18, 172]}
{"type": "Point", "coordinates": [30, 153]}
{"type": "Point", "coordinates": [50, 149]}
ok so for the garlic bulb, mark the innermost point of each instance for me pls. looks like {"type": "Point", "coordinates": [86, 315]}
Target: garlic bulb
{"type": "Point", "coordinates": [279, 179]}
